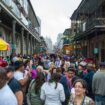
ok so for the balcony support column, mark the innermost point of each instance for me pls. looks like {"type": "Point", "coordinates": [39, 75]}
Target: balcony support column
{"type": "Point", "coordinates": [35, 45]}
{"type": "Point", "coordinates": [31, 45]}
{"type": "Point", "coordinates": [22, 40]}
{"type": "Point", "coordinates": [27, 43]}
{"type": "Point", "coordinates": [14, 37]}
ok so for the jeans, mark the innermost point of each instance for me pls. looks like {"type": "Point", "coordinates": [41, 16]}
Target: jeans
{"type": "Point", "coordinates": [99, 100]}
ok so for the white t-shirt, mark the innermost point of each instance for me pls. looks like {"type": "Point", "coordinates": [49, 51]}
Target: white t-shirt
{"type": "Point", "coordinates": [18, 75]}
{"type": "Point", "coordinates": [15, 59]}
{"type": "Point", "coordinates": [67, 63]}
{"type": "Point", "coordinates": [58, 63]}
{"type": "Point", "coordinates": [51, 95]}
{"type": "Point", "coordinates": [7, 97]}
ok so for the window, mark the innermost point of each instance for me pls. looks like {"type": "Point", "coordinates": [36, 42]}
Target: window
{"type": "Point", "coordinates": [15, 9]}
{"type": "Point", "coordinates": [24, 20]}
{"type": "Point", "coordinates": [84, 26]}
{"type": "Point", "coordinates": [21, 2]}
{"type": "Point", "coordinates": [26, 6]}
{"type": "Point", "coordinates": [7, 2]}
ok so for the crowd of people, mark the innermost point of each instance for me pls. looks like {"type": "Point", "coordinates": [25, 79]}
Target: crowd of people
{"type": "Point", "coordinates": [51, 80]}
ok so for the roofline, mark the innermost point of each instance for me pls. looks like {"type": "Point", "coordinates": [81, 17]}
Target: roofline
{"type": "Point", "coordinates": [66, 29]}
{"type": "Point", "coordinates": [76, 10]}
{"type": "Point", "coordinates": [81, 4]}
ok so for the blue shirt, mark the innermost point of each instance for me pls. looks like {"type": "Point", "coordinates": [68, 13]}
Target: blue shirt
{"type": "Point", "coordinates": [14, 85]}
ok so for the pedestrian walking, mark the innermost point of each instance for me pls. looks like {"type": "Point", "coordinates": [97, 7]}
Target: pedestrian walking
{"type": "Point", "coordinates": [80, 94]}
{"type": "Point", "coordinates": [14, 84]}
{"type": "Point", "coordinates": [52, 92]}
{"type": "Point", "coordinates": [98, 85]}
{"type": "Point", "coordinates": [34, 90]}
{"type": "Point", "coordinates": [88, 78]}
{"type": "Point", "coordinates": [6, 95]}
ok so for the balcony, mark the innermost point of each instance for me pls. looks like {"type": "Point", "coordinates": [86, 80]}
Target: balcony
{"type": "Point", "coordinates": [66, 41]}
{"type": "Point", "coordinates": [15, 9]}
{"type": "Point", "coordinates": [95, 22]}
{"type": "Point", "coordinates": [24, 20]}
{"type": "Point", "coordinates": [12, 6]}
{"type": "Point", "coordinates": [7, 2]}
{"type": "Point", "coordinates": [22, 6]}
{"type": "Point", "coordinates": [90, 24]}
{"type": "Point", "coordinates": [20, 1]}
{"type": "Point", "coordinates": [34, 31]}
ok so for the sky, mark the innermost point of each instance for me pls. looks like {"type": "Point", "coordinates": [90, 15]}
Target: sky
{"type": "Point", "coordinates": [55, 15]}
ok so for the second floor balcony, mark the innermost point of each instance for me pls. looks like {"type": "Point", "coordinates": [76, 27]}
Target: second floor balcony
{"type": "Point", "coordinates": [90, 24]}
{"type": "Point", "coordinates": [96, 22]}
{"type": "Point", "coordinates": [66, 41]}
{"type": "Point", "coordinates": [13, 7]}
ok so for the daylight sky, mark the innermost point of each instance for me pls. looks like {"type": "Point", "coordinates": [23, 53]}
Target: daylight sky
{"type": "Point", "coordinates": [54, 15]}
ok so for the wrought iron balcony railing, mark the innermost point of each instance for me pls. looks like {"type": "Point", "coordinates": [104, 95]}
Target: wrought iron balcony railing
{"type": "Point", "coordinates": [12, 6]}
{"type": "Point", "coordinates": [95, 22]}
{"type": "Point", "coordinates": [90, 24]}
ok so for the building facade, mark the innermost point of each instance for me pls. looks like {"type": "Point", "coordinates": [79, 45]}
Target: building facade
{"type": "Point", "coordinates": [89, 23]}
{"type": "Point", "coordinates": [18, 26]}
{"type": "Point", "coordinates": [59, 42]}
{"type": "Point", "coordinates": [43, 45]}
{"type": "Point", "coordinates": [49, 44]}
{"type": "Point", "coordinates": [68, 46]}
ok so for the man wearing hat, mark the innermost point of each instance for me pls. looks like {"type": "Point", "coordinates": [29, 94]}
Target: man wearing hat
{"type": "Point", "coordinates": [82, 69]}
{"type": "Point", "coordinates": [98, 85]}
{"type": "Point", "coordinates": [88, 78]}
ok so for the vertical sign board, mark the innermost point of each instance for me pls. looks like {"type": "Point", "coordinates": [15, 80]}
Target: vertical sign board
{"type": "Point", "coordinates": [96, 50]}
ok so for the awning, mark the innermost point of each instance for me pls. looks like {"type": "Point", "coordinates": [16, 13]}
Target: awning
{"type": "Point", "coordinates": [4, 45]}
{"type": "Point", "coordinates": [68, 47]}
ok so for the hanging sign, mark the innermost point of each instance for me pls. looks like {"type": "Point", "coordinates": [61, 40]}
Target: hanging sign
{"type": "Point", "coordinates": [96, 50]}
